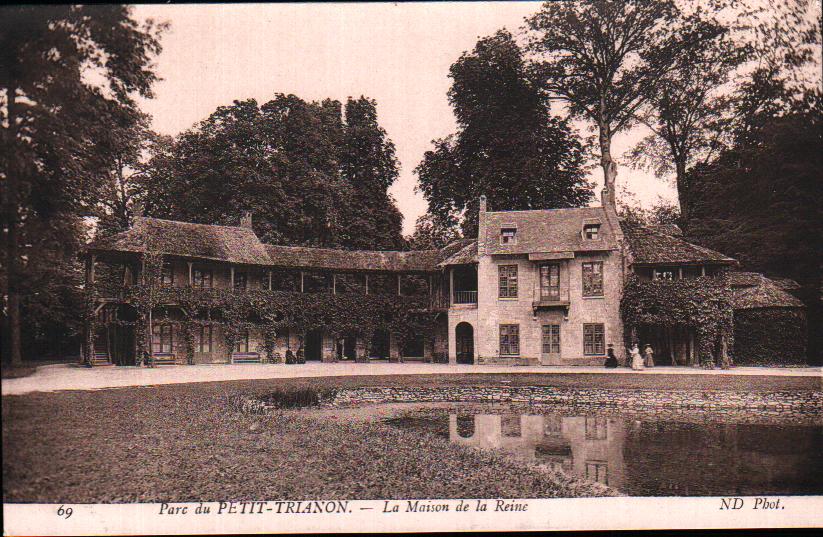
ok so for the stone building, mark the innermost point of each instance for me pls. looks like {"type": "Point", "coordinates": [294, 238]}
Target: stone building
{"type": "Point", "coordinates": [537, 287]}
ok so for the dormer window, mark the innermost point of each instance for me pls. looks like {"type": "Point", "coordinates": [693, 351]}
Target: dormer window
{"type": "Point", "coordinates": [508, 235]}
{"type": "Point", "coordinates": [591, 232]}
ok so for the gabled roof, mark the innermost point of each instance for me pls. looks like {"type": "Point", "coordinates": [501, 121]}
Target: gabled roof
{"type": "Point", "coordinates": [751, 290]}
{"type": "Point", "coordinates": [459, 252]}
{"type": "Point", "coordinates": [233, 244]}
{"type": "Point", "coordinates": [651, 247]}
{"type": "Point", "coordinates": [353, 260]}
{"type": "Point", "coordinates": [548, 231]}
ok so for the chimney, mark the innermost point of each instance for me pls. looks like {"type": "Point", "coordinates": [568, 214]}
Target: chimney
{"type": "Point", "coordinates": [245, 220]}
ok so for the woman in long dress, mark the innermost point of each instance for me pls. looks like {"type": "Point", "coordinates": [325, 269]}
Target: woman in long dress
{"type": "Point", "coordinates": [637, 360]}
{"type": "Point", "coordinates": [648, 356]}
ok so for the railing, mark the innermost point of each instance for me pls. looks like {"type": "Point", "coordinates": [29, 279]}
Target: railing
{"type": "Point", "coordinates": [465, 297]}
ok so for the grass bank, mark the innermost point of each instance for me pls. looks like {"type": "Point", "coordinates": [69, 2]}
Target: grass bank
{"type": "Point", "coordinates": [187, 442]}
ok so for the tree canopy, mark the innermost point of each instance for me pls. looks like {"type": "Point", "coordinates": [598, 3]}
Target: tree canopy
{"type": "Point", "coordinates": [309, 174]}
{"type": "Point", "coordinates": [760, 202]}
{"type": "Point", "coordinates": [508, 145]}
{"type": "Point", "coordinates": [55, 117]}
{"type": "Point", "coordinates": [604, 58]}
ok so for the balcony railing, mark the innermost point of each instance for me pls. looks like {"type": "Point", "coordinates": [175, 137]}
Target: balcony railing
{"type": "Point", "coordinates": [465, 297]}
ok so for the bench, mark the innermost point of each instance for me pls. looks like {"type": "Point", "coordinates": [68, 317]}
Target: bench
{"type": "Point", "coordinates": [246, 358]}
{"type": "Point", "coordinates": [165, 358]}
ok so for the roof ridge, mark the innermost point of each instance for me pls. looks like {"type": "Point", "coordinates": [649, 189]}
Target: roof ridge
{"type": "Point", "coordinates": [347, 250]}
{"type": "Point", "coordinates": [545, 210]}
{"type": "Point", "coordinates": [153, 218]}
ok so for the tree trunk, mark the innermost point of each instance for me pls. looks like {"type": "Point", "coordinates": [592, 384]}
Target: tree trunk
{"type": "Point", "coordinates": [11, 211]}
{"type": "Point", "coordinates": [606, 161]}
{"type": "Point", "coordinates": [682, 190]}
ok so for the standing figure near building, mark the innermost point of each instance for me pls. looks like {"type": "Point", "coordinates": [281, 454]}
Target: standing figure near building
{"type": "Point", "coordinates": [648, 355]}
{"type": "Point", "coordinates": [611, 360]}
{"type": "Point", "coordinates": [636, 359]}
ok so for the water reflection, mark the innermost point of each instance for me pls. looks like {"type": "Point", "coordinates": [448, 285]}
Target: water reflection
{"type": "Point", "coordinates": [588, 447]}
{"type": "Point", "coordinates": [654, 457]}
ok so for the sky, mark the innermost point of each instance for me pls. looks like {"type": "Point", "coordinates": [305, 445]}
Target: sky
{"type": "Point", "coordinates": [397, 54]}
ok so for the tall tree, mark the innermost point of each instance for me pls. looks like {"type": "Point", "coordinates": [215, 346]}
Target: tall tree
{"type": "Point", "coordinates": [760, 202]}
{"type": "Point", "coordinates": [430, 233]}
{"type": "Point", "coordinates": [309, 177]}
{"type": "Point", "coordinates": [508, 145]}
{"type": "Point", "coordinates": [51, 121]}
{"type": "Point", "coordinates": [369, 164]}
{"type": "Point", "coordinates": [687, 109]}
{"type": "Point", "coordinates": [120, 193]}
{"type": "Point", "coordinates": [603, 58]}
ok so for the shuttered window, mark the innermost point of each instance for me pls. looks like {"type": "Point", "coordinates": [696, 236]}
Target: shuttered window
{"type": "Point", "coordinates": [509, 339]}
{"type": "Point", "coordinates": [507, 275]}
{"type": "Point", "coordinates": [594, 339]}
{"type": "Point", "coordinates": [593, 278]}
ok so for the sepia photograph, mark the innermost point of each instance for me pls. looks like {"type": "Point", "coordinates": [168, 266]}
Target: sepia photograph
{"type": "Point", "coordinates": [414, 266]}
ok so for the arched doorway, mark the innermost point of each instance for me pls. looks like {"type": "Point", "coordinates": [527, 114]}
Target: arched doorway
{"type": "Point", "coordinates": [464, 338]}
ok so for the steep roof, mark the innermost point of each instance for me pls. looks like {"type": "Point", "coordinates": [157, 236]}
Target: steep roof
{"type": "Point", "coordinates": [549, 231]}
{"type": "Point", "coordinates": [233, 244]}
{"type": "Point", "coordinates": [751, 290]}
{"type": "Point", "coordinates": [354, 260]}
{"type": "Point", "coordinates": [652, 246]}
{"type": "Point", "coordinates": [459, 252]}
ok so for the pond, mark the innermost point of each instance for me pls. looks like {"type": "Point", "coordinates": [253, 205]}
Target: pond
{"type": "Point", "coordinates": [643, 455]}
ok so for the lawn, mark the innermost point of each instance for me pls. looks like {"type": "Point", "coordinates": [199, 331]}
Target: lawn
{"type": "Point", "coordinates": [186, 442]}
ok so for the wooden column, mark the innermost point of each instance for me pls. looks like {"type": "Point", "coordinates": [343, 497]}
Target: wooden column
{"type": "Point", "coordinates": [334, 283]}
{"type": "Point", "coordinates": [231, 277]}
{"type": "Point", "coordinates": [398, 285]}
{"type": "Point", "coordinates": [367, 284]}
{"type": "Point", "coordinates": [451, 286]}
{"type": "Point", "coordinates": [702, 270]}
{"type": "Point", "coordinates": [191, 276]}
{"type": "Point", "coordinates": [269, 280]}
{"type": "Point", "coordinates": [302, 284]}
{"type": "Point", "coordinates": [679, 273]}
{"type": "Point", "coordinates": [90, 275]}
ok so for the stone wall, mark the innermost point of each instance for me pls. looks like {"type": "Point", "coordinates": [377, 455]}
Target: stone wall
{"type": "Point", "coordinates": [493, 311]}
{"type": "Point", "coordinates": [605, 398]}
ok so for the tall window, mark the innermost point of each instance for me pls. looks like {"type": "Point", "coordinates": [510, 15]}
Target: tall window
{"type": "Point", "coordinates": [202, 278]}
{"type": "Point", "coordinates": [594, 338]}
{"type": "Point", "coordinates": [508, 235]}
{"type": "Point", "coordinates": [510, 426]}
{"type": "Point", "coordinates": [240, 280]}
{"type": "Point", "coordinates": [167, 274]}
{"type": "Point", "coordinates": [162, 338]}
{"type": "Point", "coordinates": [550, 282]}
{"type": "Point", "coordinates": [551, 339]}
{"type": "Point", "coordinates": [202, 341]}
{"type": "Point", "coordinates": [510, 339]}
{"type": "Point", "coordinates": [597, 428]}
{"type": "Point", "coordinates": [597, 471]}
{"type": "Point", "coordinates": [242, 344]}
{"type": "Point", "coordinates": [593, 278]}
{"type": "Point", "coordinates": [507, 275]}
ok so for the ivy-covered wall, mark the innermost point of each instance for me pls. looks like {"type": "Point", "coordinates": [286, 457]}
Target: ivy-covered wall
{"type": "Point", "coordinates": [773, 336]}
{"type": "Point", "coordinates": [703, 304]}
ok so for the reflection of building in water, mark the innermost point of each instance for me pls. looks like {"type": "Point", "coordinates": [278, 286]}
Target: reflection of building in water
{"type": "Point", "coordinates": [587, 447]}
